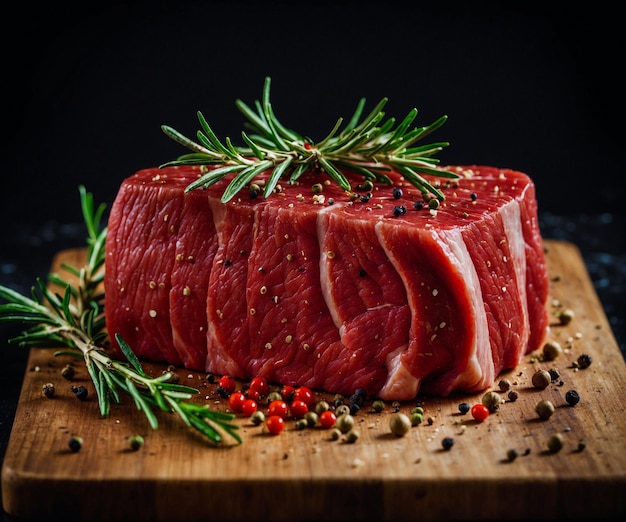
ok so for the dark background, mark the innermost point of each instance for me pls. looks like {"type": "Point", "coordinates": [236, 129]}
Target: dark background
{"type": "Point", "coordinates": [85, 91]}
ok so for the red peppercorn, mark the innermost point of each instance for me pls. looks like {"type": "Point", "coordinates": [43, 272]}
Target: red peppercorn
{"type": "Point", "coordinates": [480, 412]}
{"type": "Point", "coordinates": [298, 408]}
{"type": "Point", "coordinates": [287, 393]}
{"type": "Point", "coordinates": [278, 407]}
{"type": "Point", "coordinates": [260, 385]}
{"type": "Point", "coordinates": [305, 395]}
{"type": "Point", "coordinates": [327, 419]}
{"type": "Point", "coordinates": [227, 383]}
{"type": "Point", "coordinates": [275, 424]}
{"type": "Point", "coordinates": [248, 407]}
{"type": "Point", "coordinates": [235, 401]}
{"type": "Point", "coordinates": [253, 394]}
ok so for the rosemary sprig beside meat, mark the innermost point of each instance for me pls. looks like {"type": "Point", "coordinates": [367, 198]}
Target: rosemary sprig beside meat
{"type": "Point", "coordinates": [74, 320]}
{"type": "Point", "coordinates": [369, 147]}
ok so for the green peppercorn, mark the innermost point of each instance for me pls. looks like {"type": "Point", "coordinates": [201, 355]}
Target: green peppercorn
{"type": "Point", "coordinates": [345, 422]}
{"type": "Point", "coordinates": [342, 409]}
{"type": "Point", "coordinates": [378, 406]}
{"type": "Point", "coordinates": [135, 442]}
{"type": "Point", "coordinates": [492, 400]}
{"type": "Point", "coordinates": [555, 443]}
{"type": "Point", "coordinates": [541, 379]}
{"type": "Point", "coordinates": [399, 424]}
{"type": "Point", "coordinates": [321, 407]}
{"type": "Point", "coordinates": [311, 418]}
{"type": "Point", "coordinates": [274, 396]}
{"type": "Point", "coordinates": [317, 188]}
{"type": "Point", "coordinates": [551, 350]}
{"type": "Point", "coordinates": [352, 436]}
{"type": "Point", "coordinates": [544, 408]}
{"type": "Point", "coordinates": [257, 418]}
{"type": "Point", "coordinates": [302, 424]}
{"type": "Point", "coordinates": [335, 433]}
{"type": "Point", "coordinates": [416, 418]}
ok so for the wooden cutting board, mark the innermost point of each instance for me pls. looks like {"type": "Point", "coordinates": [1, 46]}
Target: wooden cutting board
{"type": "Point", "coordinates": [304, 475]}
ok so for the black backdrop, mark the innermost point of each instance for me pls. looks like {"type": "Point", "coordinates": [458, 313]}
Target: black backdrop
{"type": "Point", "coordinates": [530, 88]}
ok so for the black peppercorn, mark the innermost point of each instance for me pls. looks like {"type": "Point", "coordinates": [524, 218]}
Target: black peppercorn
{"type": "Point", "coordinates": [584, 361]}
{"type": "Point", "coordinates": [572, 398]}
{"type": "Point", "coordinates": [81, 392]}
{"type": "Point", "coordinates": [447, 443]}
{"type": "Point", "coordinates": [464, 408]}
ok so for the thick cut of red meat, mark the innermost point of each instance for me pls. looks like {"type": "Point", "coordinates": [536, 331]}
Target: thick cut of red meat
{"type": "Point", "coordinates": [333, 291]}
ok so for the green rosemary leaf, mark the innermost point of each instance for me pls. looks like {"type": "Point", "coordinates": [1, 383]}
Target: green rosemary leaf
{"type": "Point", "coordinates": [253, 146]}
{"type": "Point", "coordinates": [129, 354]}
{"type": "Point", "coordinates": [356, 115]}
{"type": "Point", "coordinates": [298, 171]}
{"type": "Point", "coordinates": [184, 141]}
{"type": "Point", "coordinates": [244, 177]}
{"type": "Point", "coordinates": [141, 403]}
{"type": "Point", "coordinates": [271, 120]}
{"type": "Point", "coordinates": [275, 176]}
{"type": "Point", "coordinates": [214, 176]}
{"type": "Point", "coordinates": [335, 174]}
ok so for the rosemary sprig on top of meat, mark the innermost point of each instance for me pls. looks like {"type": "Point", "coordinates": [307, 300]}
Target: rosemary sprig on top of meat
{"type": "Point", "coordinates": [74, 320]}
{"type": "Point", "coordinates": [368, 146]}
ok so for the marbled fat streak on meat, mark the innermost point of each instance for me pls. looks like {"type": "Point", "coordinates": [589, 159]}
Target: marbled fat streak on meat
{"type": "Point", "coordinates": [329, 290]}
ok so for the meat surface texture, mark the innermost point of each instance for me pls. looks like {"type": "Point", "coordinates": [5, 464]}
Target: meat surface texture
{"type": "Point", "coordinates": [331, 290]}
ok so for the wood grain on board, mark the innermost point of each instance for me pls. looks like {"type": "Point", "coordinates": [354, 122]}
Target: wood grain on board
{"type": "Point", "coordinates": [304, 475]}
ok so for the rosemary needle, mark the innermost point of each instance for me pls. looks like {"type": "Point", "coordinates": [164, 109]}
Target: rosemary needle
{"type": "Point", "coordinates": [368, 146]}
{"type": "Point", "coordinates": [74, 320]}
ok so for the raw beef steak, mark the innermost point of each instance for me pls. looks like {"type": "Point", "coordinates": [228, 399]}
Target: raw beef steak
{"type": "Point", "coordinates": [331, 290]}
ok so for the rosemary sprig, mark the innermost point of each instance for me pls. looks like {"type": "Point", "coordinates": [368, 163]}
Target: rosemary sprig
{"type": "Point", "coordinates": [368, 146]}
{"type": "Point", "coordinates": [74, 319]}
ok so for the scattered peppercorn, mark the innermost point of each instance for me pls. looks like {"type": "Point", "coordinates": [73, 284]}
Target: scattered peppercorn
{"type": "Point", "coordinates": [399, 210]}
{"type": "Point", "coordinates": [345, 423]}
{"type": "Point", "coordinates": [81, 392]}
{"type": "Point", "coordinates": [416, 418]}
{"type": "Point", "coordinates": [257, 418]}
{"type": "Point", "coordinates": [418, 205]}
{"type": "Point", "coordinates": [512, 454]}
{"type": "Point", "coordinates": [581, 445]}
{"type": "Point", "coordinates": [48, 390]}
{"type": "Point", "coordinates": [566, 316]}
{"type": "Point", "coordinates": [541, 379]}
{"type": "Point", "coordinates": [68, 372]}
{"type": "Point", "coordinates": [551, 350]}
{"type": "Point", "coordinates": [504, 385]}
{"type": "Point", "coordinates": [555, 443]}
{"type": "Point", "coordinates": [335, 434]}
{"type": "Point", "coordinates": [342, 409]}
{"type": "Point", "coordinates": [352, 436]}
{"type": "Point", "coordinates": [513, 395]}
{"type": "Point", "coordinates": [378, 406]}
{"type": "Point", "coordinates": [584, 361]}
{"type": "Point", "coordinates": [75, 443]}
{"type": "Point", "coordinates": [447, 443]}
{"type": "Point", "coordinates": [397, 193]}
{"type": "Point", "coordinates": [135, 442]}
{"type": "Point", "coordinates": [555, 374]}
{"type": "Point", "coordinates": [464, 408]}
{"type": "Point", "coordinates": [544, 408]}
{"type": "Point", "coordinates": [572, 398]}
{"type": "Point", "coordinates": [399, 424]}
{"type": "Point", "coordinates": [492, 400]}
